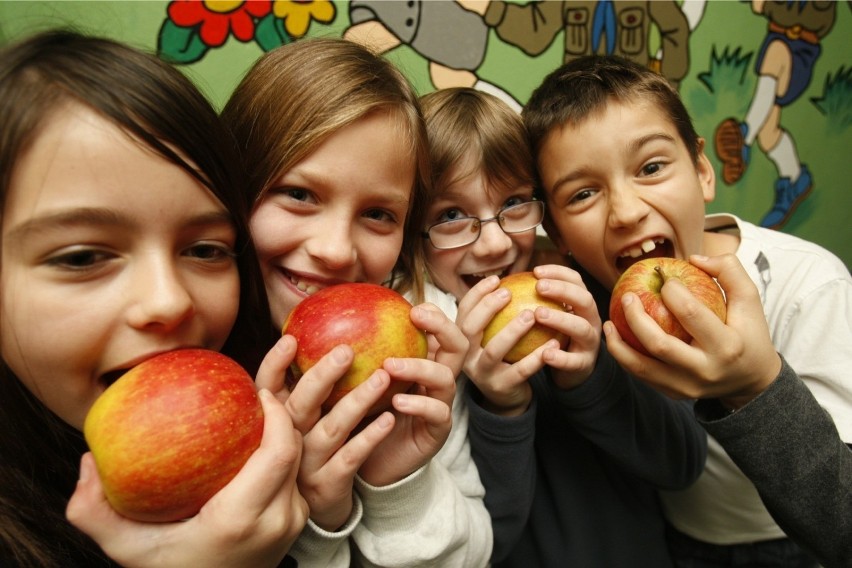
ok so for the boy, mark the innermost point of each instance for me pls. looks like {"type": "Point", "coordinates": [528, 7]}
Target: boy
{"type": "Point", "coordinates": [626, 177]}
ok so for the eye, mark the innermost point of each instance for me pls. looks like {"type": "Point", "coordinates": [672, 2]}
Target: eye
{"type": "Point", "coordinates": [211, 252]}
{"type": "Point", "coordinates": [514, 200]}
{"type": "Point", "coordinates": [80, 259]}
{"type": "Point", "coordinates": [380, 215]}
{"type": "Point", "coordinates": [295, 193]}
{"type": "Point", "coordinates": [581, 195]}
{"type": "Point", "coordinates": [652, 168]}
{"type": "Point", "coordinates": [451, 215]}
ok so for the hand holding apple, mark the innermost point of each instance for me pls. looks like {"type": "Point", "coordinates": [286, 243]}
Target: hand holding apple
{"type": "Point", "coordinates": [645, 279]}
{"type": "Point", "coordinates": [172, 431]}
{"type": "Point", "coordinates": [373, 320]}
{"type": "Point", "coordinates": [524, 297]}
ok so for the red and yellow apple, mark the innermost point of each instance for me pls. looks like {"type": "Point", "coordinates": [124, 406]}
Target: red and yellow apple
{"type": "Point", "coordinates": [373, 320]}
{"type": "Point", "coordinates": [646, 278]}
{"type": "Point", "coordinates": [172, 431]}
{"type": "Point", "coordinates": [524, 297]}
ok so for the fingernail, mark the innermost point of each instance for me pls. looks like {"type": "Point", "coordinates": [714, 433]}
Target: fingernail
{"type": "Point", "coordinates": [502, 293]}
{"type": "Point", "coordinates": [385, 420]}
{"type": "Point", "coordinates": [527, 316]}
{"type": "Point", "coordinates": [339, 355]}
{"type": "Point", "coordinates": [376, 381]}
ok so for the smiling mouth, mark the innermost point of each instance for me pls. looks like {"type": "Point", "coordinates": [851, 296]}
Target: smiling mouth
{"type": "Point", "coordinates": [472, 280]}
{"type": "Point", "coordinates": [650, 248]}
{"type": "Point", "coordinates": [308, 288]}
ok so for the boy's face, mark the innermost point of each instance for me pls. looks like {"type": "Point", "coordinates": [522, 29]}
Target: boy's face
{"type": "Point", "coordinates": [621, 186]}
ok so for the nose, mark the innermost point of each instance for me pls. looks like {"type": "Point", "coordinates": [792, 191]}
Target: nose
{"type": "Point", "coordinates": [492, 241]}
{"type": "Point", "coordinates": [333, 246]}
{"type": "Point", "coordinates": [160, 300]}
{"type": "Point", "coordinates": [626, 206]}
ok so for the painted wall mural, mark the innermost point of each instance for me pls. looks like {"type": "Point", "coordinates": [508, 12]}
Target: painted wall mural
{"type": "Point", "coordinates": [769, 83]}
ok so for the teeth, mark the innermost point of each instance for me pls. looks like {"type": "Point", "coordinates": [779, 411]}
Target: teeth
{"type": "Point", "coordinates": [497, 272]}
{"type": "Point", "coordinates": [306, 288]}
{"type": "Point", "coordinates": [644, 248]}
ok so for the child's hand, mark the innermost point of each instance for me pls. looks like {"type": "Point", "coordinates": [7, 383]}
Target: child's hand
{"type": "Point", "coordinates": [252, 521]}
{"type": "Point", "coordinates": [424, 413]}
{"type": "Point", "coordinates": [333, 452]}
{"type": "Point", "coordinates": [733, 361]}
{"type": "Point", "coordinates": [505, 386]}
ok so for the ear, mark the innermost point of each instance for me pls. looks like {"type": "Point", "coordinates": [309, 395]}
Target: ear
{"type": "Point", "coordinates": [706, 173]}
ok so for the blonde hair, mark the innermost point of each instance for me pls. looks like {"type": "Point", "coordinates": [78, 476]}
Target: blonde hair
{"type": "Point", "coordinates": [297, 95]}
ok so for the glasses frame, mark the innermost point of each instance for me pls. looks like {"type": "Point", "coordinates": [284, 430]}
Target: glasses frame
{"type": "Point", "coordinates": [480, 222]}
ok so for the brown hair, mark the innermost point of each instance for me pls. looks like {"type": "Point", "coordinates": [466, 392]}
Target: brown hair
{"type": "Point", "coordinates": [39, 453]}
{"type": "Point", "coordinates": [583, 86]}
{"type": "Point", "coordinates": [299, 94]}
{"type": "Point", "coordinates": [463, 122]}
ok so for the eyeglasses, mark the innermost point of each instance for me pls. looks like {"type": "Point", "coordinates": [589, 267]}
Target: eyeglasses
{"type": "Point", "coordinates": [462, 232]}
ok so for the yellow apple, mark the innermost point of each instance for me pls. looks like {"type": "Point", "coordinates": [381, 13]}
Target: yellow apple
{"type": "Point", "coordinates": [524, 297]}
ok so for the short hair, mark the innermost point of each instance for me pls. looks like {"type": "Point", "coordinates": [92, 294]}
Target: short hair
{"type": "Point", "coordinates": [585, 85]}
{"type": "Point", "coordinates": [461, 123]}
{"type": "Point", "coordinates": [298, 95]}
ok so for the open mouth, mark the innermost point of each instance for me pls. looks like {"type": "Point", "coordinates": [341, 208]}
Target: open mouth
{"type": "Point", "coordinates": [306, 287]}
{"type": "Point", "coordinates": [650, 248]}
{"type": "Point", "coordinates": [472, 280]}
{"type": "Point", "coordinates": [107, 379]}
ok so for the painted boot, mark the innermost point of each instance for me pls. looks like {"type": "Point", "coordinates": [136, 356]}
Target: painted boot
{"type": "Point", "coordinates": [732, 150]}
{"type": "Point", "coordinates": [788, 196]}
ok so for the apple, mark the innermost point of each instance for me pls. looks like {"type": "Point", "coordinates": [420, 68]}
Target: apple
{"type": "Point", "coordinates": [172, 431]}
{"type": "Point", "coordinates": [524, 297]}
{"type": "Point", "coordinates": [373, 320]}
{"type": "Point", "coordinates": [646, 278]}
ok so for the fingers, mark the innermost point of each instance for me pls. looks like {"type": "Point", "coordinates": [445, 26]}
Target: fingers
{"type": "Point", "coordinates": [273, 369]}
{"type": "Point", "coordinates": [452, 343]}
{"type": "Point", "coordinates": [89, 510]}
{"type": "Point", "coordinates": [274, 464]}
{"type": "Point", "coordinates": [433, 379]}
{"type": "Point", "coordinates": [305, 400]}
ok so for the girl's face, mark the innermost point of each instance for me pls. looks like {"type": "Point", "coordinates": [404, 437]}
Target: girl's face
{"type": "Point", "coordinates": [336, 216]}
{"type": "Point", "coordinates": [110, 254]}
{"type": "Point", "coordinates": [457, 270]}
{"type": "Point", "coordinates": [622, 186]}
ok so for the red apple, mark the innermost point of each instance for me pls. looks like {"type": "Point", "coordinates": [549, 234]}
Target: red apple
{"type": "Point", "coordinates": [172, 431]}
{"type": "Point", "coordinates": [524, 297]}
{"type": "Point", "coordinates": [373, 320]}
{"type": "Point", "coordinates": [646, 278]}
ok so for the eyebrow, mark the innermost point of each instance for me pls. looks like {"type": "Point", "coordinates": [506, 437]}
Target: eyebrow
{"type": "Point", "coordinates": [94, 216]}
{"type": "Point", "coordinates": [633, 147]}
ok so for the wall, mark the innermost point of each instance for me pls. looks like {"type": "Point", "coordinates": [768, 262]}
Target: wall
{"type": "Point", "coordinates": [715, 43]}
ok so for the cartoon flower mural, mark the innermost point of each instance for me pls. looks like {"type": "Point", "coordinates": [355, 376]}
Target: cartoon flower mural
{"type": "Point", "coordinates": [297, 14]}
{"type": "Point", "coordinates": [194, 26]}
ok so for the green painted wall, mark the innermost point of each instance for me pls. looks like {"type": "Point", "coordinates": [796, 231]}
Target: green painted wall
{"type": "Point", "coordinates": [719, 84]}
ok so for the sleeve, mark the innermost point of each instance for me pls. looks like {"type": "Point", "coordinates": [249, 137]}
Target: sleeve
{"type": "Point", "coordinates": [788, 446]}
{"type": "Point", "coordinates": [434, 517]}
{"type": "Point", "coordinates": [530, 27]}
{"type": "Point", "coordinates": [644, 432]}
{"type": "Point", "coordinates": [318, 548]}
{"type": "Point", "coordinates": [504, 451]}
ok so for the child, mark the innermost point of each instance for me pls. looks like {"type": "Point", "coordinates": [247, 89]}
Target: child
{"type": "Point", "coordinates": [626, 177]}
{"type": "Point", "coordinates": [121, 225]}
{"type": "Point", "coordinates": [570, 450]}
{"type": "Point", "coordinates": [333, 139]}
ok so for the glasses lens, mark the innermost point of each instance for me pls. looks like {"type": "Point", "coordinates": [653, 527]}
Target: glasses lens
{"type": "Point", "coordinates": [455, 233]}
{"type": "Point", "coordinates": [522, 217]}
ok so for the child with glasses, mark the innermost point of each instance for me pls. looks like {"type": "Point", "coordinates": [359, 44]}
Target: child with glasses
{"type": "Point", "coordinates": [570, 450]}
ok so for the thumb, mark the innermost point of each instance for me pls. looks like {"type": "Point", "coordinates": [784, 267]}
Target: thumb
{"type": "Point", "coordinates": [89, 510]}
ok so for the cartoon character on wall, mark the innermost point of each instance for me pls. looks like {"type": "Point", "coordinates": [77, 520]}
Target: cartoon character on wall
{"type": "Point", "coordinates": [451, 38]}
{"type": "Point", "coordinates": [784, 67]}
{"type": "Point", "coordinates": [594, 27]}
